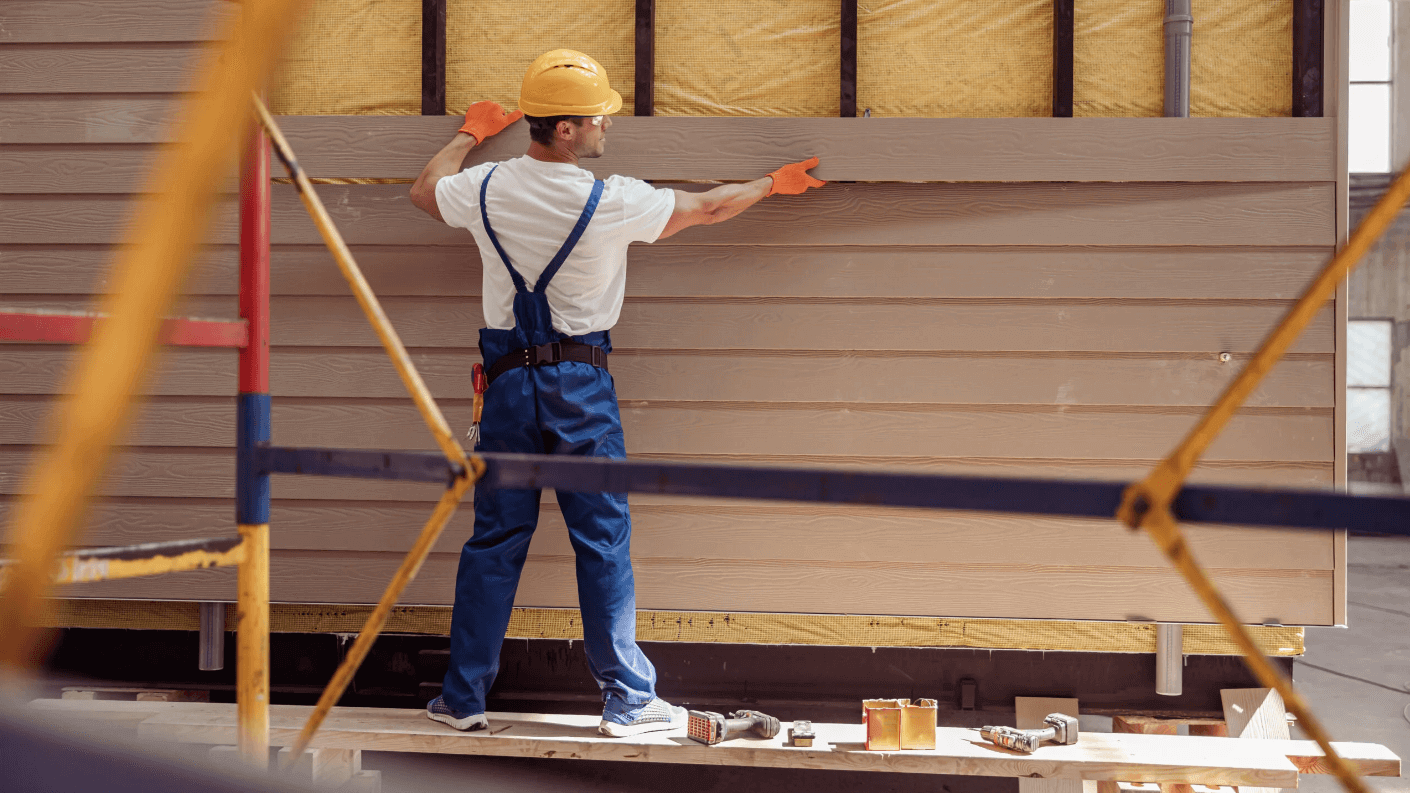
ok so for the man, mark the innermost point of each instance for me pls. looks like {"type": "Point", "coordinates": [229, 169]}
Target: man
{"type": "Point", "coordinates": [553, 242]}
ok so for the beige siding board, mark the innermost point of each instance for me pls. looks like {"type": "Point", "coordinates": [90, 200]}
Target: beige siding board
{"type": "Point", "coordinates": [108, 21]}
{"type": "Point", "coordinates": [880, 149]}
{"type": "Point", "coordinates": [1228, 273]}
{"type": "Point", "coordinates": [1294, 597]}
{"type": "Point", "coordinates": [1260, 214]}
{"type": "Point", "coordinates": [787, 324]}
{"type": "Point", "coordinates": [60, 118]}
{"type": "Point", "coordinates": [1150, 379]}
{"type": "Point", "coordinates": [74, 168]}
{"type": "Point", "coordinates": [95, 68]}
{"type": "Point", "coordinates": [732, 428]}
{"type": "Point", "coordinates": [733, 530]}
{"type": "Point", "coordinates": [896, 149]}
{"type": "Point", "coordinates": [210, 473]}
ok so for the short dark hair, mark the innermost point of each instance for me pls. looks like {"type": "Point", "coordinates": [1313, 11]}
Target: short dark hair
{"type": "Point", "coordinates": [543, 128]}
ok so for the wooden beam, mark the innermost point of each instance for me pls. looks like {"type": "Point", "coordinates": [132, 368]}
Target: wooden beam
{"type": "Point", "coordinates": [1063, 14]}
{"type": "Point", "coordinates": [372, 728]}
{"type": "Point", "coordinates": [433, 57]}
{"type": "Point", "coordinates": [848, 97]}
{"type": "Point", "coordinates": [1144, 758]}
{"type": "Point", "coordinates": [645, 58]}
{"type": "Point", "coordinates": [1308, 72]}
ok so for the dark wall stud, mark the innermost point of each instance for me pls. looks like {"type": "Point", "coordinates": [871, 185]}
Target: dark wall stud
{"type": "Point", "coordinates": [848, 106]}
{"type": "Point", "coordinates": [1307, 58]}
{"type": "Point", "coordinates": [1062, 58]}
{"type": "Point", "coordinates": [645, 57]}
{"type": "Point", "coordinates": [433, 57]}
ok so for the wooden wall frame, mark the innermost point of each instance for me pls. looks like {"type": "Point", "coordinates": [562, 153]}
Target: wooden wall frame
{"type": "Point", "coordinates": [433, 57]}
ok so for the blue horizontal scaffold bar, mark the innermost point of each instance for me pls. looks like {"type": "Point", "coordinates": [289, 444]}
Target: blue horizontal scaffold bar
{"type": "Point", "coordinates": [1303, 509]}
{"type": "Point", "coordinates": [413, 466]}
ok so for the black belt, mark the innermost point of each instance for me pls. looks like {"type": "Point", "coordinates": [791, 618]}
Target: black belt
{"type": "Point", "coordinates": [545, 354]}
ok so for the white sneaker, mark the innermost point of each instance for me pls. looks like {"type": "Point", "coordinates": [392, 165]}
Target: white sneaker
{"type": "Point", "coordinates": [438, 710]}
{"type": "Point", "coordinates": [658, 714]}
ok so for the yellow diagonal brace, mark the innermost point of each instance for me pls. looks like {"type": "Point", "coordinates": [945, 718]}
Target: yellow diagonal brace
{"type": "Point", "coordinates": [364, 294]}
{"type": "Point", "coordinates": [148, 272]}
{"type": "Point", "coordinates": [1147, 504]}
{"type": "Point", "coordinates": [1162, 528]}
{"type": "Point", "coordinates": [445, 508]}
{"type": "Point", "coordinates": [1158, 489]}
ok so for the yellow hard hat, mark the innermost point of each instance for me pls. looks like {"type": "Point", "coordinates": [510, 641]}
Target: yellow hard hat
{"type": "Point", "coordinates": [567, 83]}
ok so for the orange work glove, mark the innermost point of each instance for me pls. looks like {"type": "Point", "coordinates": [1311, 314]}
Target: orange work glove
{"type": "Point", "coordinates": [794, 179]}
{"type": "Point", "coordinates": [484, 119]}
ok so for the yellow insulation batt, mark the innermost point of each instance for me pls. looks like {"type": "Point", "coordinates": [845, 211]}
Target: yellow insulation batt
{"type": "Point", "coordinates": [698, 626]}
{"type": "Point", "coordinates": [1240, 58]}
{"type": "Point", "coordinates": [489, 45]}
{"type": "Point", "coordinates": [748, 58]}
{"type": "Point", "coordinates": [352, 57]}
{"type": "Point", "coordinates": [953, 59]}
{"type": "Point", "coordinates": [915, 58]}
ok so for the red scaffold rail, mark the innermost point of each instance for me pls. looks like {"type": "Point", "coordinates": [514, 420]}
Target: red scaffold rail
{"type": "Point", "coordinates": [75, 328]}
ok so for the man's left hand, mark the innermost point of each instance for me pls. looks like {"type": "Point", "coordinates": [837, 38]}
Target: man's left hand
{"type": "Point", "coordinates": [484, 119]}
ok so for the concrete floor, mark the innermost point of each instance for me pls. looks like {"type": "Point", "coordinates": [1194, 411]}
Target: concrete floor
{"type": "Point", "coordinates": [1357, 679]}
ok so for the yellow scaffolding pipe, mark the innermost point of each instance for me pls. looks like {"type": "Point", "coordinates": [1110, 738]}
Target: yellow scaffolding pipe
{"type": "Point", "coordinates": [148, 272]}
{"type": "Point", "coordinates": [1146, 504]}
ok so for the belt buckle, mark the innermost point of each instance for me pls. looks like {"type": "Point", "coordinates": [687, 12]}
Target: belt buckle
{"type": "Point", "coordinates": [544, 353]}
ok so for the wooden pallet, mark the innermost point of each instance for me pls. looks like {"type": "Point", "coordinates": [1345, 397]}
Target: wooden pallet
{"type": "Point", "coordinates": [1098, 756]}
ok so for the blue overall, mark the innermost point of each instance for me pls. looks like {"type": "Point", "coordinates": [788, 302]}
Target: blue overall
{"type": "Point", "coordinates": [563, 408]}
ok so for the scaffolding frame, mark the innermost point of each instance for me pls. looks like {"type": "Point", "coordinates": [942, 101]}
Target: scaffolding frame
{"type": "Point", "coordinates": [167, 232]}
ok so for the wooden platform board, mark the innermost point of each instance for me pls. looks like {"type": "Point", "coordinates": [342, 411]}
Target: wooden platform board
{"type": "Point", "coordinates": [1098, 756]}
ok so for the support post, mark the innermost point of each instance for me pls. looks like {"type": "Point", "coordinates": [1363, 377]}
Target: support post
{"type": "Point", "coordinates": [847, 105]}
{"type": "Point", "coordinates": [1308, 72]}
{"type": "Point", "coordinates": [433, 57]}
{"type": "Point", "coordinates": [1063, 16]}
{"type": "Point", "coordinates": [252, 486]}
{"type": "Point", "coordinates": [645, 77]}
{"type": "Point", "coordinates": [212, 652]}
{"type": "Point", "coordinates": [1169, 659]}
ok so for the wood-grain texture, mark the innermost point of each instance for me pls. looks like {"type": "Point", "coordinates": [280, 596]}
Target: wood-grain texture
{"type": "Point", "coordinates": [1179, 213]}
{"type": "Point", "coordinates": [1031, 297]}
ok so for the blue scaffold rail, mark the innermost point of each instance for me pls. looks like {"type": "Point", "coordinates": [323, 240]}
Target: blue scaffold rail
{"type": "Point", "coordinates": [1298, 509]}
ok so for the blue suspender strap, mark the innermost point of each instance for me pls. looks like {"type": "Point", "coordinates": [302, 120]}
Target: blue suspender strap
{"type": "Point", "coordinates": [568, 244]}
{"type": "Point", "coordinates": [489, 230]}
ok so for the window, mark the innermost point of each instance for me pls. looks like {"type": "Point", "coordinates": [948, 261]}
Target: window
{"type": "Point", "coordinates": [1368, 344]}
{"type": "Point", "coordinates": [1369, 103]}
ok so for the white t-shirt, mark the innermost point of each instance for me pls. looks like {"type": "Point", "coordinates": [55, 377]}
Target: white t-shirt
{"type": "Point", "coordinates": [533, 206]}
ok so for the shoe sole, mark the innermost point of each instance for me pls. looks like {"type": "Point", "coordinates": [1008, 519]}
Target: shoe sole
{"type": "Point", "coordinates": [467, 724]}
{"type": "Point", "coordinates": [614, 730]}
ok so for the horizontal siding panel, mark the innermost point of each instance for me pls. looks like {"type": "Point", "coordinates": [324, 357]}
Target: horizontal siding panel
{"type": "Point", "coordinates": [1305, 381]}
{"type": "Point", "coordinates": [746, 271]}
{"type": "Point", "coordinates": [107, 20]}
{"type": "Point", "coordinates": [1260, 214]}
{"type": "Point", "coordinates": [210, 473]}
{"type": "Point", "coordinates": [761, 324]}
{"type": "Point", "coordinates": [88, 168]}
{"type": "Point", "coordinates": [59, 118]}
{"type": "Point", "coordinates": [1293, 597]}
{"type": "Point", "coordinates": [880, 149]}
{"type": "Point", "coordinates": [728, 428]}
{"type": "Point", "coordinates": [93, 68]}
{"type": "Point", "coordinates": [727, 530]}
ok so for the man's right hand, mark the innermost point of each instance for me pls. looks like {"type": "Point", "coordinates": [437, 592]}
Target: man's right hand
{"type": "Point", "coordinates": [794, 179]}
{"type": "Point", "coordinates": [484, 119]}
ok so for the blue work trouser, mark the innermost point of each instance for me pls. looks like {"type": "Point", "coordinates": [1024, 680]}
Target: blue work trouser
{"type": "Point", "coordinates": [565, 408]}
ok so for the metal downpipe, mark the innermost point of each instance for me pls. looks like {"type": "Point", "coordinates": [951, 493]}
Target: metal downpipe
{"type": "Point", "coordinates": [1178, 26]}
